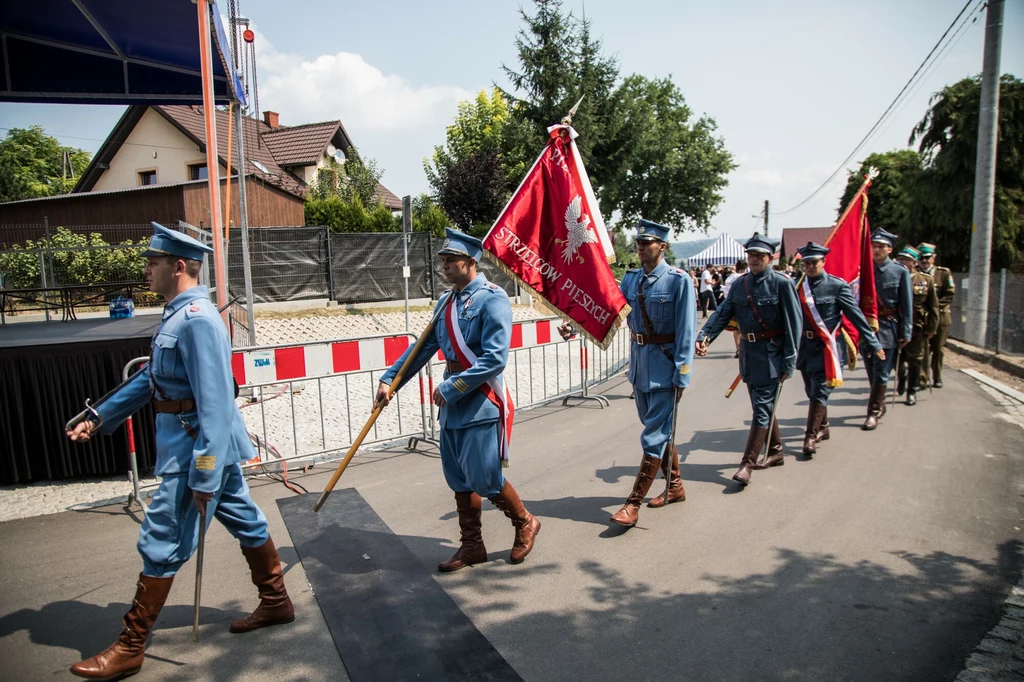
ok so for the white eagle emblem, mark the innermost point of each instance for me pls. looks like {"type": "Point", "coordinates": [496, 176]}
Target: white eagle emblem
{"type": "Point", "coordinates": [578, 231]}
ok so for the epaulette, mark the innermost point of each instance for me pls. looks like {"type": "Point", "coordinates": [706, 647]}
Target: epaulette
{"type": "Point", "coordinates": [192, 309]}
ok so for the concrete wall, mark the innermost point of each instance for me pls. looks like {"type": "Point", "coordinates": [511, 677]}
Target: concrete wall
{"type": "Point", "coordinates": [153, 144]}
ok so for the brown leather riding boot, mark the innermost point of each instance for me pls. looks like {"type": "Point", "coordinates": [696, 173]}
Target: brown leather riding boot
{"type": "Point", "coordinates": [815, 417]}
{"type": "Point", "coordinates": [772, 458]}
{"type": "Point", "coordinates": [676, 492]}
{"type": "Point", "coordinates": [823, 430]}
{"type": "Point", "coordinates": [471, 550]}
{"type": "Point", "coordinates": [526, 524]}
{"type": "Point", "coordinates": [630, 512]}
{"type": "Point", "coordinates": [275, 606]}
{"type": "Point", "coordinates": [876, 407]}
{"type": "Point", "coordinates": [755, 441]}
{"type": "Point", "coordinates": [124, 657]}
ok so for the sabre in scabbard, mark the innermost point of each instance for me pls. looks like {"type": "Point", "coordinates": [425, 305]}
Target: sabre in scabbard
{"type": "Point", "coordinates": [199, 571]}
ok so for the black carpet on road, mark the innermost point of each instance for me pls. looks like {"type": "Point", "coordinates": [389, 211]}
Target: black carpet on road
{"type": "Point", "coordinates": [388, 616]}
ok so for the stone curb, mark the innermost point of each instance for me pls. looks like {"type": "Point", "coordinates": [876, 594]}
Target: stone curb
{"type": "Point", "coordinates": [1000, 656]}
{"type": "Point", "coordinates": [1000, 362]}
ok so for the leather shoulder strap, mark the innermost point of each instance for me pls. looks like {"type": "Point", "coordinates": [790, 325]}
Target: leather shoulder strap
{"type": "Point", "coordinates": [751, 302]}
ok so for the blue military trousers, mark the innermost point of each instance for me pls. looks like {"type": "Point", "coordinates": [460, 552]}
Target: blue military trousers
{"type": "Point", "coordinates": [816, 386]}
{"type": "Point", "coordinates": [879, 370]}
{"type": "Point", "coordinates": [762, 398]}
{"type": "Point", "coordinates": [655, 410]}
{"type": "Point", "coordinates": [170, 531]}
{"type": "Point", "coordinates": [471, 460]}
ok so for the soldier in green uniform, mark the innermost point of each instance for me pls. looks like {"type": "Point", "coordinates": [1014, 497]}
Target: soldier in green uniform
{"type": "Point", "coordinates": [926, 320]}
{"type": "Point", "coordinates": [945, 289]}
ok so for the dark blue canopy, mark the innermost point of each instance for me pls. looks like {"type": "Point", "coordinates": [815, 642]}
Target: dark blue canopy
{"type": "Point", "coordinates": [109, 52]}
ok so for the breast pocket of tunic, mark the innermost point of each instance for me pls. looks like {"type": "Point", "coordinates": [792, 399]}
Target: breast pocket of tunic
{"type": "Point", "coordinates": [469, 325]}
{"type": "Point", "coordinates": [165, 353]}
{"type": "Point", "coordinates": [890, 293]}
{"type": "Point", "coordinates": [660, 305]}
{"type": "Point", "coordinates": [768, 306]}
{"type": "Point", "coordinates": [826, 306]}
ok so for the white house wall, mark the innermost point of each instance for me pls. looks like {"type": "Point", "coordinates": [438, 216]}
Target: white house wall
{"type": "Point", "coordinates": [153, 144]}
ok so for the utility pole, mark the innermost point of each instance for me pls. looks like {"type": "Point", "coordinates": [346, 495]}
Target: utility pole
{"type": "Point", "coordinates": [765, 217]}
{"type": "Point", "coordinates": [985, 178]}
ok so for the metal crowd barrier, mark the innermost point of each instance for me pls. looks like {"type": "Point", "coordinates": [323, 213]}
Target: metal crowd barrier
{"type": "Point", "coordinates": [308, 401]}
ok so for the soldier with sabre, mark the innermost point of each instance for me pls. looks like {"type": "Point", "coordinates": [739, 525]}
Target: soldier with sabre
{"type": "Point", "coordinates": [765, 305]}
{"type": "Point", "coordinates": [662, 324]}
{"type": "Point", "coordinates": [200, 441]}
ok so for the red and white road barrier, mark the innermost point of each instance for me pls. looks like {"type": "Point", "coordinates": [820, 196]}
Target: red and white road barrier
{"type": "Point", "coordinates": [284, 363]}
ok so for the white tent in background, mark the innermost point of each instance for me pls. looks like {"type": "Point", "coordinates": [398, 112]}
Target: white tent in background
{"type": "Point", "coordinates": [724, 251]}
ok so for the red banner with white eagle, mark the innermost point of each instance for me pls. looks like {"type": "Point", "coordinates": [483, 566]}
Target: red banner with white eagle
{"type": "Point", "coordinates": [850, 258]}
{"type": "Point", "coordinates": [551, 238]}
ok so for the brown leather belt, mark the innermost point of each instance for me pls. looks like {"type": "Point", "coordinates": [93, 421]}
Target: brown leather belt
{"type": "Point", "coordinates": [760, 336]}
{"type": "Point", "coordinates": [174, 406]}
{"type": "Point", "coordinates": [887, 312]}
{"type": "Point", "coordinates": [454, 366]}
{"type": "Point", "coordinates": [644, 339]}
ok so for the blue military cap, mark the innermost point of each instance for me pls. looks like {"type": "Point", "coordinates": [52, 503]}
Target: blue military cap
{"type": "Point", "coordinates": [461, 244]}
{"type": "Point", "coordinates": [883, 237]}
{"type": "Point", "coordinates": [813, 251]}
{"type": "Point", "coordinates": [762, 244]}
{"type": "Point", "coordinates": [167, 242]}
{"type": "Point", "coordinates": [909, 252]}
{"type": "Point", "coordinates": [647, 230]}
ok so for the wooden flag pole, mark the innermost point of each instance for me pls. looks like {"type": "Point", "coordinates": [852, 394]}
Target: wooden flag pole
{"type": "Point", "coordinates": [379, 406]}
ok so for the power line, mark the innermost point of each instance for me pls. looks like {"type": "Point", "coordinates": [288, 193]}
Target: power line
{"type": "Point", "coordinates": [888, 109]}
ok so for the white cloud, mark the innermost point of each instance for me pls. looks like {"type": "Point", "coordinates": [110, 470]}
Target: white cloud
{"type": "Point", "coordinates": [344, 86]}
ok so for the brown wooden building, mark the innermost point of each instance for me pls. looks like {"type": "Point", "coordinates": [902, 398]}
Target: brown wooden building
{"type": "Point", "coordinates": [152, 167]}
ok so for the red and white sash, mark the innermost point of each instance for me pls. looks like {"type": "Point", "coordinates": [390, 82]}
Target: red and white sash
{"type": "Point", "coordinates": [494, 388]}
{"type": "Point", "coordinates": [833, 366]}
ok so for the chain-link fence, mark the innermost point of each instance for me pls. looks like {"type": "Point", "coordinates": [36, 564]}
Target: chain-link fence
{"type": "Point", "coordinates": [1005, 314]}
{"type": "Point", "coordinates": [51, 269]}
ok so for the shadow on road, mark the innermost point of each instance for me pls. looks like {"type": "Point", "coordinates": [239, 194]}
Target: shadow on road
{"type": "Point", "coordinates": [808, 616]}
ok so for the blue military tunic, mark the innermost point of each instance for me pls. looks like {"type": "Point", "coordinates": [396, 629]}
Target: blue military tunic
{"type": "Point", "coordinates": [895, 298]}
{"type": "Point", "coordinates": [656, 370]}
{"type": "Point", "coordinates": [190, 359]}
{"type": "Point", "coordinates": [833, 298]}
{"type": "Point", "coordinates": [470, 454]}
{"type": "Point", "coordinates": [763, 361]}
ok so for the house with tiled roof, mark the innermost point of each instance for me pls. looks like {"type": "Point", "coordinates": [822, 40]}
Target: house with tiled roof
{"type": "Point", "coordinates": [152, 166]}
{"type": "Point", "coordinates": [157, 145]}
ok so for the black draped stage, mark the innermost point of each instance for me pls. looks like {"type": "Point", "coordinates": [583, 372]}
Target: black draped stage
{"type": "Point", "coordinates": [47, 370]}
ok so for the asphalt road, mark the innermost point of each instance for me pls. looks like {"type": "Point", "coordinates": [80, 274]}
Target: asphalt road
{"type": "Point", "coordinates": [886, 557]}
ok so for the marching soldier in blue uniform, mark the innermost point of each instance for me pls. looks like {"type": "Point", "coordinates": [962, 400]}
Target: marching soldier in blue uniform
{"type": "Point", "coordinates": [200, 440]}
{"type": "Point", "coordinates": [895, 298]}
{"type": "Point", "coordinates": [474, 332]}
{"type": "Point", "coordinates": [830, 298]}
{"type": "Point", "coordinates": [765, 306]}
{"type": "Point", "coordinates": [662, 323]}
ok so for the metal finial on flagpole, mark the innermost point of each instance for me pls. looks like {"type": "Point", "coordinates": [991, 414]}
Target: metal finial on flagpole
{"type": "Point", "coordinates": [572, 112]}
{"type": "Point", "coordinates": [872, 173]}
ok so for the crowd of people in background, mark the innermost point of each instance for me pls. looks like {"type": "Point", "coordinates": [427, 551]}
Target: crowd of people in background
{"type": "Point", "coordinates": [712, 282]}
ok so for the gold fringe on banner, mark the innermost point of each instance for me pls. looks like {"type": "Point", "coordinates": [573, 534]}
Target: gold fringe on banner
{"type": "Point", "coordinates": [601, 343]}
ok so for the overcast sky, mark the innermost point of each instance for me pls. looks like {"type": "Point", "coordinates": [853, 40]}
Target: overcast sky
{"type": "Point", "coordinates": [794, 86]}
